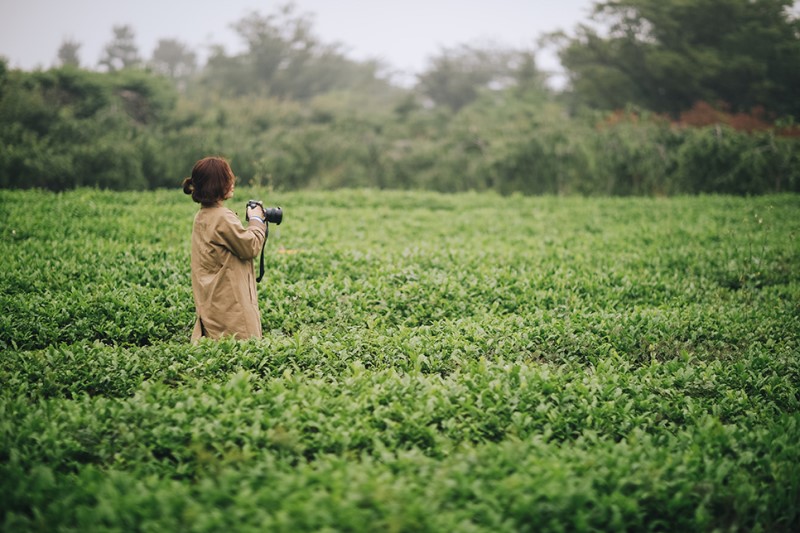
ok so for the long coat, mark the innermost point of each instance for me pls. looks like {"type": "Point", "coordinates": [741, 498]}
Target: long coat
{"type": "Point", "coordinates": [223, 279]}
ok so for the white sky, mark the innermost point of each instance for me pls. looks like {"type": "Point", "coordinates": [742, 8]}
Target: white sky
{"type": "Point", "coordinates": [402, 33]}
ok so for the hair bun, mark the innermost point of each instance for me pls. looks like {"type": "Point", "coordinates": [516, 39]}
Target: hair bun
{"type": "Point", "coordinates": [188, 186]}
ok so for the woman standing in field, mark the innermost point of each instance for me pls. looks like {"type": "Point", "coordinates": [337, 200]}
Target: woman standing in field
{"type": "Point", "coordinates": [223, 280]}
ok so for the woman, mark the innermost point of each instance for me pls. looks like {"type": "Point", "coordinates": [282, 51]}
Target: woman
{"type": "Point", "coordinates": [223, 280]}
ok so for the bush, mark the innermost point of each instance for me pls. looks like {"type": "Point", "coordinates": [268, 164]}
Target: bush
{"type": "Point", "coordinates": [67, 128]}
{"type": "Point", "coordinates": [634, 156]}
{"type": "Point", "coordinates": [719, 159]}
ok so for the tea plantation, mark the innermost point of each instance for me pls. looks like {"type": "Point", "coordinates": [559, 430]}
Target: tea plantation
{"type": "Point", "coordinates": [430, 362]}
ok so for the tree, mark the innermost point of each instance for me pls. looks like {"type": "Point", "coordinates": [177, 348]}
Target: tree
{"type": "Point", "coordinates": [278, 45]}
{"type": "Point", "coordinates": [68, 53]}
{"type": "Point", "coordinates": [174, 59]}
{"type": "Point", "coordinates": [226, 74]}
{"type": "Point", "coordinates": [285, 59]}
{"type": "Point", "coordinates": [665, 56]}
{"type": "Point", "coordinates": [278, 41]}
{"type": "Point", "coordinates": [455, 77]}
{"type": "Point", "coordinates": [122, 51]}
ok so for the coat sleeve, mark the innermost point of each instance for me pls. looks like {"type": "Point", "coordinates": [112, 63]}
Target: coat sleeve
{"type": "Point", "coordinates": [245, 243]}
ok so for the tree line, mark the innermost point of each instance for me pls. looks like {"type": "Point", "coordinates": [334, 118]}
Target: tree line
{"type": "Point", "coordinates": [662, 98]}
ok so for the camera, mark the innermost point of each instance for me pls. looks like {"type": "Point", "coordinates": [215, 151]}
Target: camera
{"type": "Point", "coordinates": [271, 214]}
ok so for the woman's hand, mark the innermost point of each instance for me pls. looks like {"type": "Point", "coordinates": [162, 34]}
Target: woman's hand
{"type": "Point", "coordinates": [257, 211]}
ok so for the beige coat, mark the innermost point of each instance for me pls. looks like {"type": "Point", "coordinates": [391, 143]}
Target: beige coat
{"type": "Point", "coordinates": [223, 280]}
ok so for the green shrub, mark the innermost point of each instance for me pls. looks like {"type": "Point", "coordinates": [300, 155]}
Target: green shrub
{"type": "Point", "coordinates": [66, 128]}
{"type": "Point", "coordinates": [720, 159]}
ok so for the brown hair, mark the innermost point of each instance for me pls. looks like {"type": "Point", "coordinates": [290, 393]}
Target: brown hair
{"type": "Point", "coordinates": [210, 182]}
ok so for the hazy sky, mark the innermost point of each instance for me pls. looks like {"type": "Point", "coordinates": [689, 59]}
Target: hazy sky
{"type": "Point", "coordinates": [403, 33]}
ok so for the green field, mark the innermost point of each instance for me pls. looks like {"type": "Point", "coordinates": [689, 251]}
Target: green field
{"type": "Point", "coordinates": [430, 363]}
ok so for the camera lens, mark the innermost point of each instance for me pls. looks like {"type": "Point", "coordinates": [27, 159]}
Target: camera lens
{"type": "Point", "coordinates": [273, 214]}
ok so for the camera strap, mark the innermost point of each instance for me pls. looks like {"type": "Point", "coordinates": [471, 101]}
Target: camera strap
{"type": "Point", "coordinates": [261, 261]}
{"type": "Point", "coordinates": [261, 265]}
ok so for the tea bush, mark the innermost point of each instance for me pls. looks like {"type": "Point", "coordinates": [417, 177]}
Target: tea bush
{"type": "Point", "coordinates": [431, 362]}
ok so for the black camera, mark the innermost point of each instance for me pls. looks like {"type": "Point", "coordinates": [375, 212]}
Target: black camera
{"type": "Point", "coordinates": [271, 214]}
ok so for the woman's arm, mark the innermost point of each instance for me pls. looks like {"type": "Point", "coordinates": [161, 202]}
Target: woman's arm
{"type": "Point", "coordinates": [245, 243]}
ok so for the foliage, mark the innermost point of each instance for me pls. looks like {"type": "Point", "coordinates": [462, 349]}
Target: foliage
{"type": "Point", "coordinates": [430, 363]}
{"type": "Point", "coordinates": [121, 52]}
{"type": "Point", "coordinates": [715, 160]}
{"type": "Point", "coordinates": [665, 56]}
{"type": "Point", "coordinates": [173, 59]}
{"type": "Point", "coordinates": [130, 130]}
{"type": "Point", "coordinates": [285, 59]}
{"type": "Point", "coordinates": [292, 112]}
{"type": "Point", "coordinates": [68, 53]}
{"type": "Point", "coordinates": [455, 77]}
{"type": "Point", "coordinates": [67, 127]}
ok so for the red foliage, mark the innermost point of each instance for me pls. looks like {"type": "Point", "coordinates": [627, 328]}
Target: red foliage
{"type": "Point", "coordinates": [704, 114]}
